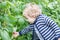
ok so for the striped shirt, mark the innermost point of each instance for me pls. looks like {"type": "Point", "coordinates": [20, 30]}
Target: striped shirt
{"type": "Point", "coordinates": [48, 29]}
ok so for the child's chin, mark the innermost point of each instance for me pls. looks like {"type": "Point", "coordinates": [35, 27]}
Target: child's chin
{"type": "Point", "coordinates": [32, 21]}
{"type": "Point", "coordinates": [32, 17]}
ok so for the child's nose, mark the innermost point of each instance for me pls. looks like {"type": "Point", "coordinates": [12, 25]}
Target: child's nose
{"type": "Point", "coordinates": [33, 15]}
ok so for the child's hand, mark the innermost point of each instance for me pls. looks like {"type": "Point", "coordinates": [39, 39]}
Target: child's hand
{"type": "Point", "coordinates": [15, 34]}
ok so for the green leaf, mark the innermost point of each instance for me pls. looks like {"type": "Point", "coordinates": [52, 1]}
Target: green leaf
{"type": "Point", "coordinates": [4, 5]}
{"type": "Point", "coordinates": [21, 20]}
{"type": "Point", "coordinates": [4, 35]}
{"type": "Point", "coordinates": [0, 25]}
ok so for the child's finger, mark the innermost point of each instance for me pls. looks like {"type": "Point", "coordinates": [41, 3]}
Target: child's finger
{"type": "Point", "coordinates": [14, 32]}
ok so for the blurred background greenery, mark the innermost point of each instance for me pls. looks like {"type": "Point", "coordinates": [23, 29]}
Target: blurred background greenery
{"type": "Point", "coordinates": [11, 18]}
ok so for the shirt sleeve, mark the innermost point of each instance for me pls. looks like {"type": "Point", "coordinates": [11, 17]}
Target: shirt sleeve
{"type": "Point", "coordinates": [26, 30]}
{"type": "Point", "coordinates": [52, 24]}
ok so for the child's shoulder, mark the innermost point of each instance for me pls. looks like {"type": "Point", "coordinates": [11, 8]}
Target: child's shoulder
{"type": "Point", "coordinates": [42, 16]}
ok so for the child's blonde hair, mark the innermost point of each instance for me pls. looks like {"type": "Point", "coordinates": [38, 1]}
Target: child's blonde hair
{"type": "Point", "coordinates": [32, 8]}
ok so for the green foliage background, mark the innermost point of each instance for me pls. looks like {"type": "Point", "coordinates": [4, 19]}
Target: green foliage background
{"type": "Point", "coordinates": [11, 18]}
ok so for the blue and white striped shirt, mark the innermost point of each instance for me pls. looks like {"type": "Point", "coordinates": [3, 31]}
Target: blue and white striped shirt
{"type": "Point", "coordinates": [48, 29]}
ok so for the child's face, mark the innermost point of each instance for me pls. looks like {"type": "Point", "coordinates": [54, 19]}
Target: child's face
{"type": "Point", "coordinates": [31, 16]}
{"type": "Point", "coordinates": [31, 12]}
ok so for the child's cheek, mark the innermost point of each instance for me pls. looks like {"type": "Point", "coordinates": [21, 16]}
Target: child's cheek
{"type": "Point", "coordinates": [33, 15]}
{"type": "Point", "coordinates": [31, 20]}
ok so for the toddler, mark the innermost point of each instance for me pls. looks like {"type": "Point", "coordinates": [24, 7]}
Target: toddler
{"type": "Point", "coordinates": [48, 29]}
